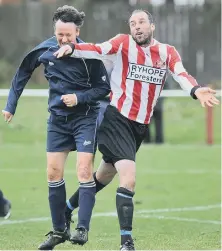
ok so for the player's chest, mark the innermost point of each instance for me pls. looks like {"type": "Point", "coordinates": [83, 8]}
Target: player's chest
{"type": "Point", "coordinates": [150, 56]}
{"type": "Point", "coordinates": [74, 67]}
{"type": "Point", "coordinates": [146, 65]}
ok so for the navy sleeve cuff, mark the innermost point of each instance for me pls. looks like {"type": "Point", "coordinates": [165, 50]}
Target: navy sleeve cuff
{"type": "Point", "coordinates": [79, 98]}
{"type": "Point", "coordinates": [192, 92]}
{"type": "Point", "coordinates": [10, 109]}
{"type": "Point", "coordinates": [72, 46]}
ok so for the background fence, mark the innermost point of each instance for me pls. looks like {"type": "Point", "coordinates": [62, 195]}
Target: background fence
{"type": "Point", "coordinates": [178, 188]}
{"type": "Point", "coordinates": [194, 30]}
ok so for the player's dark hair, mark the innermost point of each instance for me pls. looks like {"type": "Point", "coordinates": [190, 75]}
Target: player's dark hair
{"type": "Point", "coordinates": [69, 14]}
{"type": "Point", "coordinates": [150, 17]}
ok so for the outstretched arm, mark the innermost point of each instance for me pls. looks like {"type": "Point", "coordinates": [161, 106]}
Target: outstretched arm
{"type": "Point", "coordinates": [92, 51]}
{"type": "Point", "coordinates": [19, 81]}
{"type": "Point", "coordinates": [187, 82]}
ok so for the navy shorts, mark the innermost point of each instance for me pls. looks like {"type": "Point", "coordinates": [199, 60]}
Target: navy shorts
{"type": "Point", "coordinates": [71, 133]}
{"type": "Point", "coordinates": [103, 106]}
{"type": "Point", "coordinates": [118, 137]}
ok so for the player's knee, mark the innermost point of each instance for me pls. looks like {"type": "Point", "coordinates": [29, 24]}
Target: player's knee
{"type": "Point", "coordinates": [128, 182]}
{"type": "Point", "coordinates": [127, 173]}
{"type": "Point", "coordinates": [85, 172]}
{"type": "Point", "coordinates": [105, 178]}
{"type": "Point", "coordinates": [54, 173]}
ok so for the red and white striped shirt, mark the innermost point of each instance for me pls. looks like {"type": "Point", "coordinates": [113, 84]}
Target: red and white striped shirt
{"type": "Point", "coordinates": [138, 74]}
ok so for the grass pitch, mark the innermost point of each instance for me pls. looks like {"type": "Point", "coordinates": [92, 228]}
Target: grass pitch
{"type": "Point", "coordinates": [177, 201]}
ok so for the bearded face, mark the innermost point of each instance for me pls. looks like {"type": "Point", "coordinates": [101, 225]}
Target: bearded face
{"type": "Point", "coordinates": [141, 29]}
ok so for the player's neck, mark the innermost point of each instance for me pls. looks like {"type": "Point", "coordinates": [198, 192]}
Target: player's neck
{"type": "Point", "coordinates": [149, 44]}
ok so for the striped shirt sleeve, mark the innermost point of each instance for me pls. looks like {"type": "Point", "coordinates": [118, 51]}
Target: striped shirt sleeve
{"type": "Point", "coordinates": [186, 81]}
{"type": "Point", "coordinates": [106, 50]}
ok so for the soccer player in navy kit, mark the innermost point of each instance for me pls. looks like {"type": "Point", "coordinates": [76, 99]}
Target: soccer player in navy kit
{"type": "Point", "coordinates": [75, 86]}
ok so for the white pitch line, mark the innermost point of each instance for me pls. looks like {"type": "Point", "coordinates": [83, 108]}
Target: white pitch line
{"type": "Point", "coordinates": [191, 171]}
{"type": "Point", "coordinates": [181, 146]}
{"type": "Point", "coordinates": [180, 209]}
{"type": "Point", "coordinates": [113, 214]}
{"type": "Point", "coordinates": [11, 222]}
{"type": "Point", "coordinates": [160, 217]}
{"type": "Point", "coordinates": [138, 214]}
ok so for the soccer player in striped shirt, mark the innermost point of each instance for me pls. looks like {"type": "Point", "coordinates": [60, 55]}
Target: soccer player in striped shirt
{"type": "Point", "coordinates": [140, 68]}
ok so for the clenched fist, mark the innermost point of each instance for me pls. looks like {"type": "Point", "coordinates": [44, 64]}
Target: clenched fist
{"type": "Point", "coordinates": [7, 116]}
{"type": "Point", "coordinates": [70, 100]}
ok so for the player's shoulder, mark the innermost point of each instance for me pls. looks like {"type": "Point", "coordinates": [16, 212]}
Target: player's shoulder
{"type": "Point", "coordinates": [51, 42]}
{"type": "Point", "coordinates": [160, 44]}
{"type": "Point", "coordinates": [164, 48]}
{"type": "Point", "coordinates": [41, 48]}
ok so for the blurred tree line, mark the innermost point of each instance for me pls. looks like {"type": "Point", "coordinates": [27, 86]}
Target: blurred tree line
{"type": "Point", "coordinates": [194, 31]}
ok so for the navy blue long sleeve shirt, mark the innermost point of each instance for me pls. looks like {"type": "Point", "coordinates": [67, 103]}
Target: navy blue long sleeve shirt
{"type": "Point", "coordinates": [87, 78]}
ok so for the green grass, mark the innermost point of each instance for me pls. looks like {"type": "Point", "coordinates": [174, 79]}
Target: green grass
{"type": "Point", "coordinates": [184, 121]}
{"type": "Point", "coordinates": [184, 173]}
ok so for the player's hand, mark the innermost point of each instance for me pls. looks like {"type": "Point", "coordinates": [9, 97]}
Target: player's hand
{"type": "Point", "coordinates": [7, 116]}
{"type": "Point", "coordinates": [63, 50]}
{"type": "Point", "coordinates": [206, 96]}
{"type": "Point", "coordinates": [70, 100]}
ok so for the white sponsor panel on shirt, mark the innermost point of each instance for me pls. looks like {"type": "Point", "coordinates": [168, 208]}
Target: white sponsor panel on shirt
{"type": "Point", "coordinates": [146, 74]}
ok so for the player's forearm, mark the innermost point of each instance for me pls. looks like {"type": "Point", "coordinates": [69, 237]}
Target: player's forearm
{"type": "Point", "coordinates": [91, 51]}
{"type": "Point", "coordinates": [18, 84]}
{"type": "Point", "coordinates": [92, 95]}
{"type": "Point", "coordinates": [11, 102]}
{"type": "Point", "coordinates": [187, 83]}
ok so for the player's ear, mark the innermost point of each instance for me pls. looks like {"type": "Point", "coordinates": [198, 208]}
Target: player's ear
{"type": "Point", "coordinates": [54, 28]}
{"type": "Point", "coordinates": [152, 27]}
{"type": "Point", "coordinates": [77, 32]}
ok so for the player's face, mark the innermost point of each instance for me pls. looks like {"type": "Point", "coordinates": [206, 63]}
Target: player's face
{"type": "Point", "coordinates": [66, 32]}
{"type": "Point", "coordinates": [141, 29]}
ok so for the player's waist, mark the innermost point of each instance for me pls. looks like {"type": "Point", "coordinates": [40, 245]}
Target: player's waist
{"type": "Point", "coordinates": [68, 113]}
{"type": "Point", "coordinates": [140, 118]}
{"type": "Point", "coordinates": [62, 118]}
